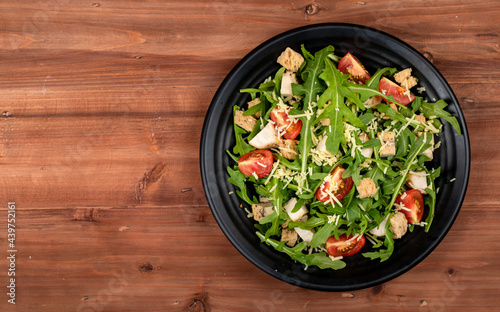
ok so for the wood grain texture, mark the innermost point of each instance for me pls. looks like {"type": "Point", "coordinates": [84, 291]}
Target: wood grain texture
{"type": "Point", "coordinates": [103, 104]}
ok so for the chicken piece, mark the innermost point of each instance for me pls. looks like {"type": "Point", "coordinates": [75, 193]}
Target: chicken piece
{"type": "Point", "coordinates": [366, 151]}
{"type": "Point", "coordinates": [398, 225]}
{"type": "Point", "coordinates": [367, 188]}
{"type": "Point", "coordinates": [388, 144]}
{"type": "Point", "coordinates": [245, 122]}
{"type": "Point", "coordinates": [261, 210]}
{"type": "Point", "coordinates": [380, 229]}
{"type": "Point", "coordinates": [418, 181]}
{"type": "Point", "coordinates": [305, 235]}
{"type": "Point", "coordinates": [373, 101]}
{"type": "Point", "coordinates": [288, 149]}
{"type": "Point", "coordinates": [322, 145]}
{"type": "Point", "coordinates": [299, 213]}
{"type": "Point", "coordinates": [286, 83]}
{"type": "Point", "coordinates": [266, 138]}
{"type": "Point", "coordinates": [429, 152]}
{"type": "Point", "coordinates": [290, 59]}
{"type": "Point", "coordinates": [289, 236]}
{"type": "Point", "coordinates": [402, 75]}
{"type": "Point", "coordinates": [253, 103]}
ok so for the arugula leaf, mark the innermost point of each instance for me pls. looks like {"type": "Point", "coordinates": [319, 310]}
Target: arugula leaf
{"type": "Point", "coordinates": [336, 111]}
{"type": "Point", "coordinates": [320, 260]}
{"type": "Point", "coordinates": [237, 178]}
{"type": "Point", "coordinates": [386, 109]}
{"type": "Point", "coordinates": [320, 237]}
{"type": "Point", "coordinates": [437, 109]}
{"type": "Point", "coordinates": [383, 254]}
{"type": "Point", "coordinates": [375, 79]}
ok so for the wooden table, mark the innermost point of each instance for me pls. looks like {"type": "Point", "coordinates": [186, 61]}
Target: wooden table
{"type": "Point", "coordinates": [103, 103]}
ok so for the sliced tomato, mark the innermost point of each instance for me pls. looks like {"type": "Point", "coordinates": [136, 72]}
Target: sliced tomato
{"type": "Point", "coordinates": [288, 126]}
{"type": "Point", "coordinates": [335, 185]}
{"type": "Point", "coordinates": [389, 87]}
{"type": "Point", "coordinates": [343, 246]}
{"type": "Point", "coordinates": [350, 65]}
{"type": "Point", "coordinates": [411, 204]}
{"type": "Point", "coordinates": [259, 162]}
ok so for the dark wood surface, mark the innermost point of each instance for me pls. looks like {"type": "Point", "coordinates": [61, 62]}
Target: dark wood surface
{"type": "Point", "coordinates": [103, 104]}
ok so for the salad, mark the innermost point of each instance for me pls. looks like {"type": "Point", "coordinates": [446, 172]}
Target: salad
{"type": "Point", "coordinates": [334, 160]}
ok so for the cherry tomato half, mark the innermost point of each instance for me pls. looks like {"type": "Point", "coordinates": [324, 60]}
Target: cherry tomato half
{"type": "Point", "coordinates": [335, 185]}
{"type": "Point", "coordinates": [413, 205]}
{"type": "Point", "coordinates": [389, 87]}
{"type": "Point", "coordinates": [350, 65]}
{"type": "Point", "coordinates": [290, 126]}
{"type": "Point", "coordinates": [343, 246]}
{"type": "Point", "coordinates": [258, 161]}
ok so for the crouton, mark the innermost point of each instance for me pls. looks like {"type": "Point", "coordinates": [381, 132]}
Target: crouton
{"type": "Point", "coordinates": [288, 149]}
{"type": "Point", "coordinates": [289, 236]}
{"type": "Point", "coordinates": [366, 151]}
{"type": "Point", "coordinates": [295, 215]}
{"type": "Point", "coordinates": [398, 225]}
{"type": "Point", "coordinates": [367, 188]}
{"type": "Point", "coordinates": [286, 83]}
{"type": "Point", "coordinates": [409, 83]}
{"type": "Point", "coordinates": [373, 101]}
{"type": "Point", "coordinates": [261, 210]}
{"type": "Point", "coordinates": [388, 146]}
{"type": "Point", "coordinates": [266, 138]}
{"type": "Point", "coordinates": [253, 103]}
{"type": "Point", "coordinates": [402, 75]}
{"type": "Point", "coordinates": [417, 180]}
{"type": "Point", "coordinates": [245, 122]}
{"type": "Point", "coordinates": [420, 118]}
{"type": "Point", "coordinates": [290, 59]}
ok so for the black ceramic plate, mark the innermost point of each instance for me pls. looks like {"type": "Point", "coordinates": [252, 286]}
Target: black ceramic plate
{"type": "Point", "coordinates": [375, 49]}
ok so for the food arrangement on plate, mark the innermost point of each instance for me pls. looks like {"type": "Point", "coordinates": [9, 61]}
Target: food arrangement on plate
{"type": "Point", "coordinates": [334, 160]}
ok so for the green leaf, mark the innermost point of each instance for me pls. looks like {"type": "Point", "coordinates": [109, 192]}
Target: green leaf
{"type": "Point", "coordinates": [311, 87]}
{"type": "Point", "coordinates": [383, 254]}
{"type": "Point", "coordinates": [437, 109]}
{"type": "Point", "coordinates": [375, 79]}
{"type": "Point", "coordinates": [320, 260]}
{"type": "Point", "coordinates": [320, 237]}
{"type": "Point", "coordinates": [237, 178]}
{"type": "Point", "coordinates": [386, 109]}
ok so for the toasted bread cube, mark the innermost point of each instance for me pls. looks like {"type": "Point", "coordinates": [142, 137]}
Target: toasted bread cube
{"type": "Point", "coordinates": [388, 144]}
{"type": "Point", "coordinates": [290, 59]}
{"type": "Point", "coordinates": [299, 213]}
{"type": "Point", "coordinates": [402, 75]}
{"type": "Point", "coordinates": [420, 118]}
{"type": "Point", "coordinates": [289, 236]}
{"type": "Point", "coordinates": [399, 225]}
{"type": "Point", "coordinates": [245, 122]}
{"type": "Point", "coordinates": [418, 181]}
{"type": "Point", "coordinates": [288, 149]}
{"type": "Point", "coordinates": [266, 138]}
{"type": "Point", "coordinates": [367, 188]}
{"type": "Point", "coordinates": [254, 102]}
{"type": "Point", "coordinates": [261, 210]}
{"type": "Point", "coordinates": [286, 83]}
{"type": "Point", "coordinates": [409, 83]}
